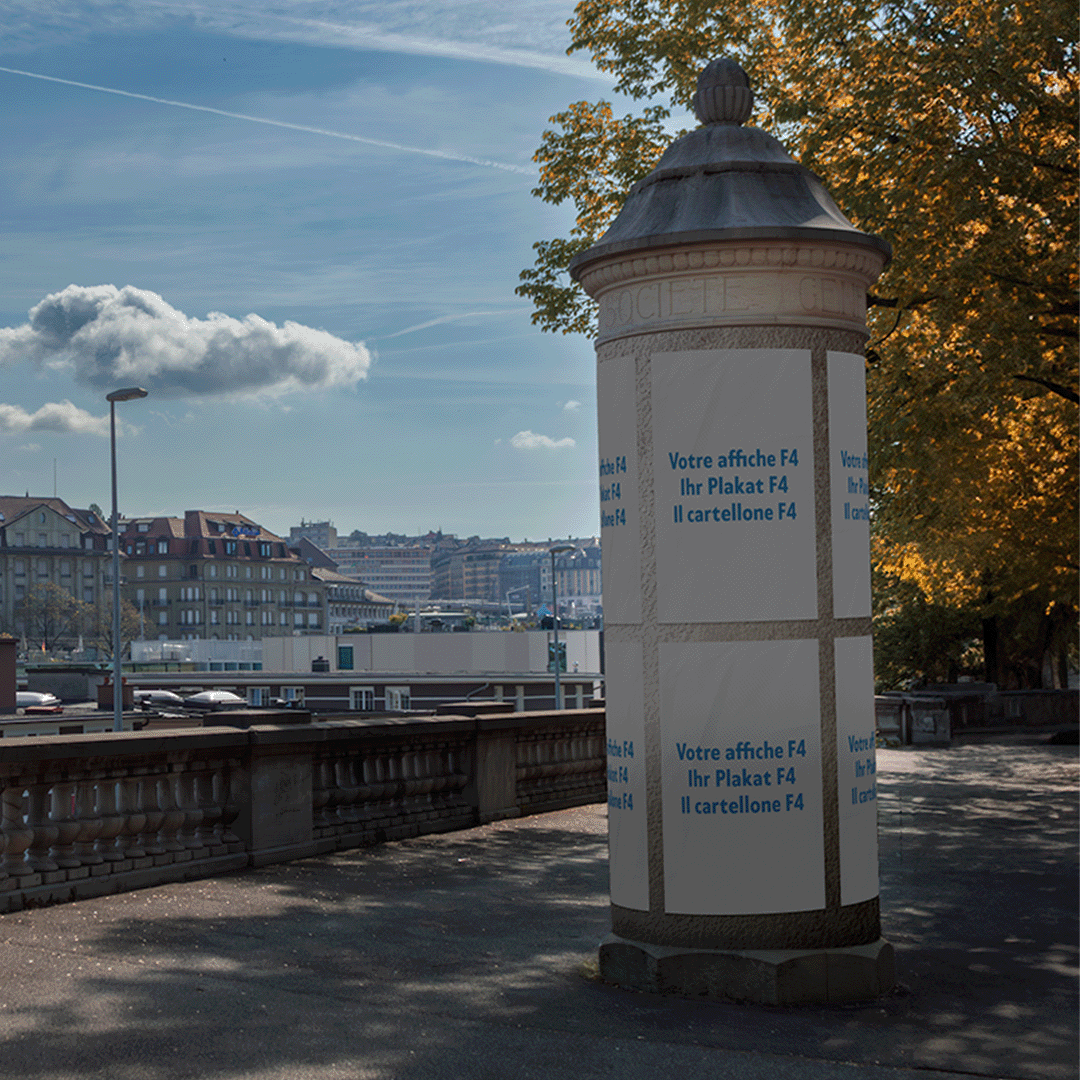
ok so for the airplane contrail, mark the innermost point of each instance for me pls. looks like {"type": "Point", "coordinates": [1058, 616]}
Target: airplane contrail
{"type": "Point", "coordinates": [444, 154]}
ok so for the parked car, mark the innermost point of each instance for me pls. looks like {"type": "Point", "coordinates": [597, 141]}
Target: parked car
{"type": "Point", "coordinates": [35, 703]}
{"type": "Point", "coordinates": [214, 701]}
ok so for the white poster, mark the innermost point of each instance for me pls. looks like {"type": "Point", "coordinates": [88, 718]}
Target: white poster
{"type": "Point", "coordinates": [620, 535]}
{"type": "Point", "coordinates": [628, 834]}
{"type": "Point", "coordinates": [856, 766]}
{"type": "Point", "coordinates": [849, 469]}
{"type": "Point", "coordinates": [734, 484]}
{"type": "Point", "coordinates": [741, 761]}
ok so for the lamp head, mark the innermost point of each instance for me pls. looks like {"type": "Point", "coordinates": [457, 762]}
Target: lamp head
{"type": "Point", "coordinates": [127, 394]}
{"type": "Point", "coordinates": [562, 549]}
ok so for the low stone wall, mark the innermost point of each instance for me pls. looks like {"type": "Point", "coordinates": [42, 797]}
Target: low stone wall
{"type": "Point", "coordinates": [87, 815]}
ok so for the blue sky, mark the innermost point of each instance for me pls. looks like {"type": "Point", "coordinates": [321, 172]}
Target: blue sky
{"type": "Point", "coordinates": [401, 385]}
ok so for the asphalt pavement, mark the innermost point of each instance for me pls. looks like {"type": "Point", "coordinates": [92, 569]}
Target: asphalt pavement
{"type": "Point", "coordinates": [472, 955]}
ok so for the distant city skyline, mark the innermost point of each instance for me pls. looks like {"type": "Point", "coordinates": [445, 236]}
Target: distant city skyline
{"type": "Point", "coordinates": [300, 226]}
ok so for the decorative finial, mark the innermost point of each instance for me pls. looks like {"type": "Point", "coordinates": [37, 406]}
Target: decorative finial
{"type": "Point", "coordinates": [723, 94]}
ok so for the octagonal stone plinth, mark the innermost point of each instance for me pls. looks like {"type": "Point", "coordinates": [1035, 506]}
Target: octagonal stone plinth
{"type": "Point", "coordinates": [760, 976]}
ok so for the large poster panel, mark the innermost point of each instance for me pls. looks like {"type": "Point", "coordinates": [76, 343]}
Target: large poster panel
{"type": "Point", "coordinates": [741, 762]}
{"type": "Point", "coordinates": [628, 835]}
{"type": "Point", "coordinates": [734, 484]}
{"type": "Point", "coordinates": [856, 764]}
{"type": "Point", "coordinates": [849, 469]}
{"type": "Point", "coordinates": [620, 535]}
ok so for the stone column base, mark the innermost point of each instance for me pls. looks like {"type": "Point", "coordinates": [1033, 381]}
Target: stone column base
{"type": "Point", "coordinates": [760, 976]}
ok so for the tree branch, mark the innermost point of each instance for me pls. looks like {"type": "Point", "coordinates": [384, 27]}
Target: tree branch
{"type": "Point", "coordinates": [1053, 387]}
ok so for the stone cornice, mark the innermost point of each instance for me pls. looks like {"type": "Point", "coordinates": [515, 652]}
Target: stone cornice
{"type": "Point", "coordinates": [737, 282]}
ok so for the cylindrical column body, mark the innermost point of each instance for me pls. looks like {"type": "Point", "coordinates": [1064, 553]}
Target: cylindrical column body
{"type": "Point", "coordinates": [735, 526]}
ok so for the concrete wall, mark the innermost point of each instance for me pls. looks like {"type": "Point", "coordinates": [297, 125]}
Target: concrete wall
{"type": "Point", "coordinates": [444, 654]}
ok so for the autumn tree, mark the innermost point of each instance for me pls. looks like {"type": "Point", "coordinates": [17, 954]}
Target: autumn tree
{"type": "Point", "coordinates": [949, 130]}
{"type": "Point", "coordinates": [98, 624]}
{"type": "Point", "coordinates": [48, 616]}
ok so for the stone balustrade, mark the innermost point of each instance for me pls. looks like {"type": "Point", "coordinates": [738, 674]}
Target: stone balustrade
{"type": "Point", "coordinates": [87, 815]}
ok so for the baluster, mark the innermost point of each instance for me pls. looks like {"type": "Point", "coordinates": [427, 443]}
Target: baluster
{"type": "Point", "coordinates": [320, 794]}
{"type": "Point", "coordinates": [230, 810]}
{"type": "Point", "coordinates": [111, 821]}
{"type": "Point", "coordinates": [89, 822]}
{"type": "Point", "coordinates": [62, 815]}
{"type": "Point", "coordinates": [129, 805]}
{"type": "Point", "coordinates": [394, 774]}
{"type": "Point", "coordinates": [347, 785]}
{"type": "Point", "coordinates": [17, 834]}
{"type": "Point", "coordinates": [368, 794]}
{"type": "Point", "coordinates": [173, 816]}
{"type": "Point", "coordinates": [187, 800]}
{"type": "Point", "coordinates": [151, 811]}
{"type": "Point", "coordinates": [211, 811]}
{"type": "Point", "coordinates": [45, 832]}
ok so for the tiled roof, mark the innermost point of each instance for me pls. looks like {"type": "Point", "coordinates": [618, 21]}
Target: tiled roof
{"type": "Point", "coordinates": [13, 507]}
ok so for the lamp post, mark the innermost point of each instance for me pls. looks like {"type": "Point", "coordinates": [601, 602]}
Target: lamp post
{"type": "Point", "coordinates": [559, 549]}
{"type": "Point", "coordinates": [128, 393]}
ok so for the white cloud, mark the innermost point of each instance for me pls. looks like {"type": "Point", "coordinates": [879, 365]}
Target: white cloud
{"type": "Point", "coordinates": [572, 406]}
{"type": "Point", "coordinates": [58, 416]}
{"type": "Point", "coordinates": [30, 447]}
{"type": "Point", "coordinates": [108, 337]}
{"type": "Point", "coordinates": [527, 440]}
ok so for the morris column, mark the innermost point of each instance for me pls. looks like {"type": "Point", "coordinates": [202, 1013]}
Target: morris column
{"type": "Point", "coordinates": [735, 524]}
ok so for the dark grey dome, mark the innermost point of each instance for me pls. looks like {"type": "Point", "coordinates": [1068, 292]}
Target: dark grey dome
{"type": "Point", "coordinates": [723, 181]}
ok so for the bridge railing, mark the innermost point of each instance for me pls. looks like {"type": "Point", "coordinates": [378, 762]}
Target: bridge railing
{"type": "Point", "coordinates": [88, 815]}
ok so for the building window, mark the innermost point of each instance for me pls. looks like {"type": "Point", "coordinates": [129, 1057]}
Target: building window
{"type": "Point", "coordinates": [345, 658]}
{"type": "Point", "coordinates": [230, 547]}
{"type": "Point", "coordinates": [362, 698]}
{"type": "Point", "coordinates": [163, 547]}
{"type": "Point", "coordinates": [258, 696]}
{"type": "Point", "coordinates": [213, 571]}
{"type": "Point", "coordinates": [163, 571]}
{"type": "Point", "coordinates": [313, 618]}
{"type": "Point", "coordinates": [142, 528]}
{"type": "Point", "coordinates": [293, 693]}
{"type": "Point", "coordinates": [230, 571]}
{"type": "Point", "coordinates": [250, 620]}
{"type": "Point", "coordinates": [298, 619]}
{"type": "Point", "coordinates": [397, 698]}
{"type": "Point", "coordinates": [42, 540]}
{"type": "Point", "coordinates": [20, 568]}
{"type": "Point", "coordinates": [140, 571]}
{"type": "Point", "coordinates": [211, 546]}
{"type": "Point", "coordinates": [264, 550]}
{"type": "Point", "coordinates": [163, 618]}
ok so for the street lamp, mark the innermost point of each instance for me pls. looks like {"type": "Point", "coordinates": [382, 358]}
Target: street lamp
{"type": "Point", "coordinates": [559, 549]}
{"type": "Point", "coordinates": [128, 393]}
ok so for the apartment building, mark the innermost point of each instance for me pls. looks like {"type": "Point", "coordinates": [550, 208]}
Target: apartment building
{"type": "Point", "coordinates": [44, 540]}
{"type": "Point", "coordinates": [217, 576]}
{"type": "Point", "coordinates": [350, 603]}
{"type": "Point", "coordinates": [468, 569]}
{"type": "Point", "coordinates": [396, 567]}
{"type": "Point", "coordinates": [578, 578]}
